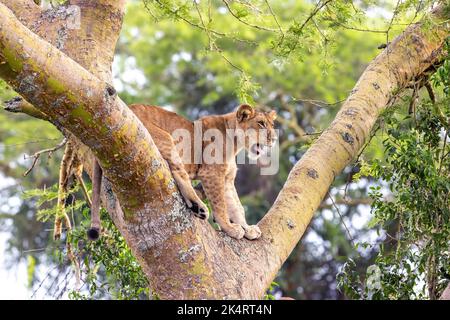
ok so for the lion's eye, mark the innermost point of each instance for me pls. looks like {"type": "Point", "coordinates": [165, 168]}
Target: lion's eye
{"type": "Point", "coordinates": [262, 124]}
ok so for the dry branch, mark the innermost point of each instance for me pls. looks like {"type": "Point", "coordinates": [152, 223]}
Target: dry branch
{"type": "Point", "coordinates": [19, 105]}
{"type": "Point", "coordinates": [38, 154]}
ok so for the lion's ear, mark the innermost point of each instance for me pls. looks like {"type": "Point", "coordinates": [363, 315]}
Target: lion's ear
{"type": "Point", "coordinates": [244, 112]}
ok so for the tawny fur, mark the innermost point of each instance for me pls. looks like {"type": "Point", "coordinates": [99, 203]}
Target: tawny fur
{"type": "Point", "coordinates": [217, 179]}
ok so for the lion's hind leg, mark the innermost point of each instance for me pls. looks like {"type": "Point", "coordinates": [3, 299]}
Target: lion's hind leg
{"type": "Point", "coordinates": [167, 148]}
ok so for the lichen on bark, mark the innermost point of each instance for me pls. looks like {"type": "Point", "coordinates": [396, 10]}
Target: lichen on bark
{"type": "Point", "coordinates": [182, 256]}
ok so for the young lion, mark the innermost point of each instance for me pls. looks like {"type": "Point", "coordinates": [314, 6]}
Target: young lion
{"type": "Point", "coordinates": [217, 177]}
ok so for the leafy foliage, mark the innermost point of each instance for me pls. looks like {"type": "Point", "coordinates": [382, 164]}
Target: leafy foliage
{"type": "Point", "coordinates": [168, 56]}
{"type": "Point", "coordinates": [413, 262]}
{"type": "Point", "coordinates": [107, 266]}
{"type": "Point", "coordinates": [270, 292]}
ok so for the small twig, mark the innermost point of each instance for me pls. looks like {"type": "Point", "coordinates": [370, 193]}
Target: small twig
{"type": "Point", "coordinates": [220, 51]}
{"type": "Point", "coordinates": [342, 219]}
{"type": "Point", "coordinates": [313, 133]}
{"type": "Point", "coordinates": [29, 142]}
{"type": "Point", "coordinates": [349, 202]}
{"type": "Point", "coordinates": [443, 152]}
{"type": "Point", "coordinates": [320, 31]}
{"type": "Point", "coordinates": [196, 25]}
{"type": "Point", "coordinates": [212, 45]}
{"type": "Point", "coordinates": [249, 5]}
{"type": "Point", "coordinates": [147, 7]}
{"type": "Point", "coordinates": [350, 175]}
{"type": "Point", "coordinates": [392, 20]}
{"type": "Point", "coordinates": [43, 280]}
{"type": "Point", "coordinates": [208, 32]}
{"type": "Point", "coordinates": [430, 92]}
{"type": "Point", "coordinates": [37, 155]}
{"type": "Point", "coordinates": [41, 249]}
{"type": "Point", "coordinates": [245, 22]}
{"type": "Point", "coordinates": [318, 103]}
{"type": "Point", "coordinates": [360, 29]}
{"type": "Point", "coordinates": [412, 103]}
{"type": "Point", "coordinates": [276, 20]}
{"type": "Point", "coordinates": [313, 13]}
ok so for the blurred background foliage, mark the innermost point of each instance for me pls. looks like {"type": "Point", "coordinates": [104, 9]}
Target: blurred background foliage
{"type": "Point", "coordinates": [301, 58]}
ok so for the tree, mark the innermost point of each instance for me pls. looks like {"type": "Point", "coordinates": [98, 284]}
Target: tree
{"type": "Point", "coordinates": [158, 230]}
{"type": "Point", "coordinates": [413, 261]}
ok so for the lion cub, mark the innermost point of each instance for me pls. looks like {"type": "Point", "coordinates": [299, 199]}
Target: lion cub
{"type": "Point", "coordinates": [207, 151]}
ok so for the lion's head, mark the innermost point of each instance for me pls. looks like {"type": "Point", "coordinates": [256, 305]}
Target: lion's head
{"type": "Point", "coordinates": [258, 129]}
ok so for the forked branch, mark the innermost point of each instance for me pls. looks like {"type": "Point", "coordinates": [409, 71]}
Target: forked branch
{"type": "Point", "coordinates": [158, 228]}
{"type": "Point", "coordinates": [38, 154]}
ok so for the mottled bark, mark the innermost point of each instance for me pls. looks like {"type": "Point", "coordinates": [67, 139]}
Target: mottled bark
{"type": "Point", "coordinates": [405, 59]}
{"type": "Point", "coordinates": [161, 221]}
{"type": "Point", "coordinates": [25, 10]}
{"type": "Point", "coordinates": [19, 105]}
{"type": "Point", "coordinates": [82, 44]}
{"type": "Point", "coordinates": [66, 77]}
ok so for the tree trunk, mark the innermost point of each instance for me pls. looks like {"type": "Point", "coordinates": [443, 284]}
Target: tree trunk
{"type": "Point", "coordinates": [65, 74]}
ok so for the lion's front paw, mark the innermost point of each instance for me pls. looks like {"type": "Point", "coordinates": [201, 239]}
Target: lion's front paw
{"type": "Point", "coordinates": [252, 232]}
{"type": "Point", "coordinates": [199, 208]}
{"type": "Point", "coordinates": [234, 231]}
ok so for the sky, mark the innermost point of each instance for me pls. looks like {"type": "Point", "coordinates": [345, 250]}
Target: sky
{"type": "Point", "coordinates": [13, 282]}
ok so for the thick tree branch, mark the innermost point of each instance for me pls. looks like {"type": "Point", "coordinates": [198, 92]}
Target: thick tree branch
{"type": "Point", "coordinates": [182, 257]}
{"type": "Point", "coordinates": [83, 104]}
{"type": "Point", "coordinates": [309, 180]}
{"type": "Point", "coordinates": [20, 105]}
{"type": "Point", "coordinates": [116, 4]}
{"type": "Point", "coordinates": [25, 10]}
{"type": "Point", "coordinates": [154, 218]}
